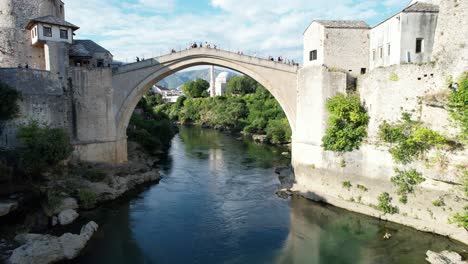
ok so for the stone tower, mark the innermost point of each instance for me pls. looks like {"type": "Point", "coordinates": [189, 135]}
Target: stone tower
{"type": "Point", "coordinates": [15, 40]}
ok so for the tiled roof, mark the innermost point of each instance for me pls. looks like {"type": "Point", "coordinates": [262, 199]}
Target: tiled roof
{"type": "Point", "coordinates": [51, 20]}
{"type": "Point", "coordinates": [342, 23]}
{"type": "Point", "coordinates": [422, 7]}
{"type": "Point", "coordinates": [85, 48]}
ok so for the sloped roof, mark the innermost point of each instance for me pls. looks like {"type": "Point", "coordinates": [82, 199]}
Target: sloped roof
{"type": "Point", "coordinates": [51, 20]}
{"type": "Point", "coordinates": [342, 23]}
{"type": "Point", "coordinates": [85, 48]}
{"type": "Point", "coordinates": [422, 7]}
{"type": "Point", "coordinates": [415, 8]}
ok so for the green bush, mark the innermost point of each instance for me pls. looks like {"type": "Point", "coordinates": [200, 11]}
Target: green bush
{"type": "Point", "coordinates": [410, 139]}
{"type": "Point", "coordinates": [347, 124]}
{"type": "Point", "coordinates": [153, 132]}
{"type": "Point", "coordinates": [362, 188]}
{"type": "Point", "coordinates": [9, 97]}
{"type": "Point", "coordinates": [278, 131]}
{"type": "Point", "coordinates": [385, 204]}
{"type": "Point", "coordinates": [438, 203]}
{"type": "Point", "coordinates": [461, 219]}
{"type": "Point", "coordinates": [94, 175]}
{"type": "Point", "coordinates": [54, 199]}
{"type": "Point", "coordinates": [347, 184]}
{"type": "Point", "coordinates": [458, 104]}
{"type": "Point", "coordinates": [42, 147]}
{"type": "Point", "coordinates": [405, 180]}
{"type": "Point", "coordinates": [87, 198]}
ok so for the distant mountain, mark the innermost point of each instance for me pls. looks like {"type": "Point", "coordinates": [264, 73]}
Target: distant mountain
{"type": "Point", "coordinates": [179, 78]}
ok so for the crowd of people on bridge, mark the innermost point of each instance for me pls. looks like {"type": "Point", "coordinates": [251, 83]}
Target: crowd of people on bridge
{"type": "Point", "coordinates": [195, 45]}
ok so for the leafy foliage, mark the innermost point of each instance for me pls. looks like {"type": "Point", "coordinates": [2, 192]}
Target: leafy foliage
{"type": "Point", "coordinates": [257, 112]}
{"type": "Point", "coordinates": [347, 185]}
{"type": "Point", "coordinates": [385, 204]}
{"type": "Point", "coordinates": [461, 219]}
{"type": "Point", "coordinates": [94, 175]}
{"type": "Point", "coordinates": [362, 188]}
{"type": "Point", "coordinates": [458, 104]}
{"type": "Point", "coordinates": [410, 139]}
{"type": "Point", "coordinates": [347, 124]}
{"type": "Point", "coordinates": [153, 131]}
{"type": "Point", "coordinates": [9, 97]}
{"type": "Point", "coordinates": [405, 182]}
{"type": "Point", "coordinates": [87, 198]}
{"type": "Point", "coordinates": [54, 199]}
{"type": "Point", "coordinates": [242, 85]}
{"type": "Point", "coordinates": [196, 89]}
{"type": "Point", "coordinates": [42, 147]}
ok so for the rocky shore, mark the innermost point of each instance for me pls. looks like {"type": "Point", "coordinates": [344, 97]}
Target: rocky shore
{"type": "Point", "coordinates": [61, 200]}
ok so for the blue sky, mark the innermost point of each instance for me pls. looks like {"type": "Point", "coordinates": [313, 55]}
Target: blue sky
{"type": "Point", "coordinates": [148, 28]}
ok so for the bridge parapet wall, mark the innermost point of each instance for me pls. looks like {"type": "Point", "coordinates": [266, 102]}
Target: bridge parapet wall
{"type": "Point", "coordinates": [206, 52]}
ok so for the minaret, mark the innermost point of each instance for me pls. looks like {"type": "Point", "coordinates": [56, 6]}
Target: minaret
{"type": "Point", "coordinates": [212, 82]}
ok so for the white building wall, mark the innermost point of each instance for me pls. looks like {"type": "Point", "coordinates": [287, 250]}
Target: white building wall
{"type": "Point", "coordinates": [314, 40]}
{"type": "Point", "coordinates": [417, 25]}
{"type": "Point", "coordinates": [55, 34]}
{"type": "Point", "coordinates": [347, 49]}
{"type": "Point", "coordinates": [381, 36]}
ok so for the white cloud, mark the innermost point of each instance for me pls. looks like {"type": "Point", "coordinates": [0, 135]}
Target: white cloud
{"type": "Point", "coordinates": [148, 28]}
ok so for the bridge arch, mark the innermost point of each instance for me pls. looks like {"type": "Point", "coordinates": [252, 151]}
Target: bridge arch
{"type": "Point", "coordinates": [132, 81]}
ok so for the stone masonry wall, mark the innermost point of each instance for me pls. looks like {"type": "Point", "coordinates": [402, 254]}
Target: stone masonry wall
{"type": "Point", "coordinates": [450, 49]}
{"type": "Point", "coordinates": [45, 99]}
{"type": "Point", "coordinates": [15, 40]}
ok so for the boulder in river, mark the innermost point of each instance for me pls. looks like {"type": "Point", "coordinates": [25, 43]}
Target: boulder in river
{"type": "Point", "coordinates": [67, 216]}
{"type": "Point", "coordinates": [444, 257]}
{"type": "Point", "coordinates": [44, 249]}
{"type": "Point", "coordinates": [7, 207]}
{"type": "Point", "coordinates": [66, 203]}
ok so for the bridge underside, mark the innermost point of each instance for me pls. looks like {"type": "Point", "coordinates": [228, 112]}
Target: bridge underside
{"type": "Point", "coordinates": [126, 85]}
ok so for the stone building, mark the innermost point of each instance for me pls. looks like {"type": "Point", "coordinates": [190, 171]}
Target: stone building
{"type": "Point", "coordinates": [338, 44]}
{"type": "Point", "coordinates": [354, 47]}
{"type": "Point", "coordinates": [406, 37]}
{"type": "Point", "coordinates": [19, 21]}
{"type": "Point", "coordinates": [89, 53]}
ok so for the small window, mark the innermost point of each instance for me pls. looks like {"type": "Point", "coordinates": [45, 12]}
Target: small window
{"type": "Point", "coordinates": [388, 49]}
{"type": "Point", "coordinates": [313, 55]}
{"type": "Point", "coordinates": [61, 9]}
{"type": "Point", "coordinates": [373, 54]}
{"type": "Point", "coordinates": [48, 32]}
{"type": "Point", "coordinates": [419, 45]}
{"type": "Point", "coordinates": [381, 52]}
{"type": "Point", "coordinates": [363, 70]}
{"type": "Point", "coordinates": [100, 63]}
{"type": "Point", "coordinates": [64, 34]}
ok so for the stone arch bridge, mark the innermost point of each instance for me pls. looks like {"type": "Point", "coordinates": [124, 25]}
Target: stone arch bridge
{"type": "Point", "coordinates": [131, 81]}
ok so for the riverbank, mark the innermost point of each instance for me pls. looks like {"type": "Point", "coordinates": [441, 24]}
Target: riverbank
{"type": "Point", "coordinates": [61, 197]}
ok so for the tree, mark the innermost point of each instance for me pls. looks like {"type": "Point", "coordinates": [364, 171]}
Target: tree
{"type": "Point", "coordinates": [42, 147]}
{"type": "Point", "coordinates": [242, 85]}
{"type": "Point", "coordinates": [347, 124]}
{"type": "Point", "coordinates": [196, 89]}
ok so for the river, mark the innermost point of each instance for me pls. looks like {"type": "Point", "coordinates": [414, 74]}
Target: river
{"type": "Point", "coordinates": [216, 203]}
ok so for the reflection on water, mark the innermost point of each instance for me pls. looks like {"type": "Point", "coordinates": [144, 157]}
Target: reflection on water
{"type": "Point", "coordinates": [216, 204]}
{"type": "Point", "coordinates": [324, 234]}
